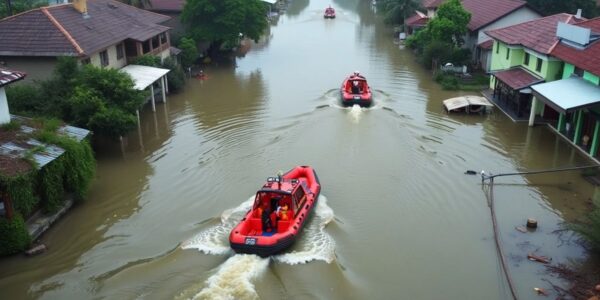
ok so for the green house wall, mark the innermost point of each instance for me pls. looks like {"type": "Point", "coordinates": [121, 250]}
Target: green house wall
{"type": "Point", "coordinates": [570, 69]}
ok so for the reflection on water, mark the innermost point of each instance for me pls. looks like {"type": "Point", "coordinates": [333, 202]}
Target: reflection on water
{"type": "Point", "coordinates": [408, 223]}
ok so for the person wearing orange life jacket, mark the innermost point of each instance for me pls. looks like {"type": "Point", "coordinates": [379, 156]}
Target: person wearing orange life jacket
{"type": "Point", "coordinates": [282, 213]}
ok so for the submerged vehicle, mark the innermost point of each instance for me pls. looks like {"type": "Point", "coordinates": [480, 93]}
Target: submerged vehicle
{"type": "Point", "coordinates": [329, 13]}
{"type": "Point", "coordinates": [280, 210]}
{"type": "Point", "coordinates": [356, 90]}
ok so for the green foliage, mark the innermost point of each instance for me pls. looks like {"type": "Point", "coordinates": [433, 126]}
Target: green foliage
{"type": "Point", "coordinates": [438, 51]}
{"type": "Point", "coordinates": [551, 7]}
{"type": "Point", "coordinates": [147, 60]}
{"type": "Point", "coordinates": [396, 11]}
{"type": "Point", "coordinates": [175, 78]}
{"type": "Point", "coordinates": [15, 237]}
{"type": "Point", "coordinates": [223, 21]}
{"type": "Point", "coordinates": [26, 100]}
{"type": "Point", "coordinates": [19, 6]}
{"type": "Point", "coordinates": [51, 185]}
{"type": "Point", "coordinates": [189, 51]}
{"type": "Point", "coordinates": [10, 126]}
{"type": "Point", "coordinates": [78, 161]}
{"type": "Point", "coordinates": [450, 23]}
{"type": "Point", "coordinates": [21, 192]}
{"type": "Point", "coordinates": [589, 229]}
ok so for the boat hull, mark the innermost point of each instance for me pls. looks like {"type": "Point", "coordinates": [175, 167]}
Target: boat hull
{"type": "Point", "coordinates": [245, 239]}
{"type": "Point", "coordinates": [360, 94]}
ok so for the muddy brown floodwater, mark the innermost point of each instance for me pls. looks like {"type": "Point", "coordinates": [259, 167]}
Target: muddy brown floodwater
{"type": "Point", "coordinates": [397, 218]}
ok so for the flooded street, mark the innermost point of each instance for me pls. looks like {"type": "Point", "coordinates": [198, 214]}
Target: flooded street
{"type": "Point", "coordinates": [397, 217]}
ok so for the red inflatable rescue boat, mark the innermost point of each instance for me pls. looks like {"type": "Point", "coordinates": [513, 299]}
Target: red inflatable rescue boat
{"type": "Point", "coordinates": [355, 90]}
{"type": "Point", "coordinates": [329, 13]}
{"type": "Point", "coordinates": [279, 213]}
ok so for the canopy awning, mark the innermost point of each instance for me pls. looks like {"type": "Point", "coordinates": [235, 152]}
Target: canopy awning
{"type": "Point", "coordinates": [144, 76]}
{"type": "Point", "coordinates": [567, 95]}
{"type": "Point", "coordinates": [464, 101]}
{"type": "Point", "coordinates": [517, 78]}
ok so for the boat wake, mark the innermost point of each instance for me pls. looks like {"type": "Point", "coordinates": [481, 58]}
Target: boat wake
{"type": "Point", "coordinates": [356, 113]}
{"type": "Point", "coordinates": [233, 279]}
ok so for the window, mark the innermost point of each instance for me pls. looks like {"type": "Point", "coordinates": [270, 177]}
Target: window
{"type": "Point", "coordinates": [146, 47]}
{"type": "Point", "coordinates": [526, 60]}
{"type": "Point", "coordinates": [299, 198]}
{"type": "Point", "coordinates": [578, 72]}
{"type": "Point", "coordinates": [538, 66]}
{"type": "Point", "coordinates": [163, 38]}
{"type": "Point", "coordinates": [86, 61]}
{"type": "Point", "coordinates": [497, 47]}
{"type": "Point", "coordinates": [507, 53]}
{"type": "Point", "coordinates": [120, 51]}
{"type": "Point", "coordinates": [155, 42]}
{"type": "Point", "coordinates": [104, 58]}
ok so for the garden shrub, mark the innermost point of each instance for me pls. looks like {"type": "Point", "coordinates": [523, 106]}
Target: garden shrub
{"type": "Point", "coordinates": [15, 237]}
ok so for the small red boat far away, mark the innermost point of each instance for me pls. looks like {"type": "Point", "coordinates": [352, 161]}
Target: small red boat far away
{"type": "Point", "coordinates": [329, 13]}
{"type": "Point", "coordinates": [355, 90]}
{"type": "Point", "coordinates": [281, 208]}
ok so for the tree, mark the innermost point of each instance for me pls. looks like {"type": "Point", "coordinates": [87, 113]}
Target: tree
{"type": "Point", "coordinates": [551, 7]}
{"type": "Point", "coordinates": [12, 7]}
{"type": "Point", "coordinates": [189, 52]}
{"type": "Point", "coordinates": [397, 11]}
{"type": "Point", "coordinates": [450, 23]}
{"type": "Point", "coordinates": [223, 21]}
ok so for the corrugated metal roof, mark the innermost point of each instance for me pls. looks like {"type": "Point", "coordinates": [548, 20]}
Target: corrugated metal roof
{"type": "Point", "coordinates": [46, 152]}
{"type": "Point", "coordinates": [569, 94]}
{"type": "Point", "coordinates": [144, 76]}
{"type": "Point", "coordinates": [8, 76]}
{"type": "Point", "coordinates": [75, 132]}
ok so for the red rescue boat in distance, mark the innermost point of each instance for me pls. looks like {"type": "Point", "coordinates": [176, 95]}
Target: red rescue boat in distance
{"type": "Point", "coordinates": [329, 13]}
{"type": "Point", "coordinates": [281, 208]}
{"type": "Point", "coordinates": [356, 90]}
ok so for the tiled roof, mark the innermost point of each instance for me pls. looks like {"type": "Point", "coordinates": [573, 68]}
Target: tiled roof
{"type": "Point", "coordinates": [486, 45]}
{"type": "Point", "coordinates": [8, 76]}
{"type": "Point", "coordinates": [518, 78]}
{"type": "Point", "coordinates": [417, 19]}
{"type": "Point", "coordinates": [484, 12]}
{"type": "Point", "coordinates": [61, 30]}
{"type": "Point", "coordinates": [587, 59]}
{"type": "Point", "coordinates": [431, 3]}
{"type": "Point", "coordinates": [167, 5]}
{"type": "Point", "coordinates": [538, 35]}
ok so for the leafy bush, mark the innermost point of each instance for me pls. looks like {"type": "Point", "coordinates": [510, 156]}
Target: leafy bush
{"type": "Point", "coordinates": [21, 191]}
{"type": "Point", "coordinates": [175, 78]}
{"type": "Point", "coordinates": [450, 83]}
{"type": "Point", "coordinates": [15, 237]}
{"type": "Point", "coordinates": [147, 60]}
{"type": "Point", "coordinates": [26, 100]}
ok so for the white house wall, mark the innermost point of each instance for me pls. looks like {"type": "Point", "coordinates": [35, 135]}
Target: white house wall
{"type": "Point", "coordinates": [521, 15]}
{"type": "Point", "coordinates": [4, 113]}
{"type": "Point", "coordinates": [113, 62]}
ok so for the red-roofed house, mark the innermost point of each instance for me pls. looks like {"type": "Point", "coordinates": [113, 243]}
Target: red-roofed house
{"type": "Point", "coordinates": [564, 51]}
{"type": "Point", "coordinates": [525, 47]}
{"type": "Point", "coordinates": [487, 15]}
{"type": "Point", "coordinates": [105, 33]}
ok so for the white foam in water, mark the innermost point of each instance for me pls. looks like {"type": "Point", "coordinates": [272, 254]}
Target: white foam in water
{"type": "Point", "coordinates": [314, 243]}
{"type": "Point", "coordinates": [355, 113]}
{"type": "Point", "coordinates": [214, 240]}
{"type": "Point", "coordinates": [234, 278]}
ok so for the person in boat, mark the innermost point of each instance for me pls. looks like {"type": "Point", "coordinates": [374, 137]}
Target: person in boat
{"type": "Point", "coordinates": [282, 213]}
{"type": "Point", "coordinates": [265, 217]}
{"type": "Point", "coordinates": [355, 87]}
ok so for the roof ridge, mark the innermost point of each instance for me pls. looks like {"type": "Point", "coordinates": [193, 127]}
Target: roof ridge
{"type": "Point", "coordinates": [62, 30]}
{"type": "Point", "coordinates": [146, 10]}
